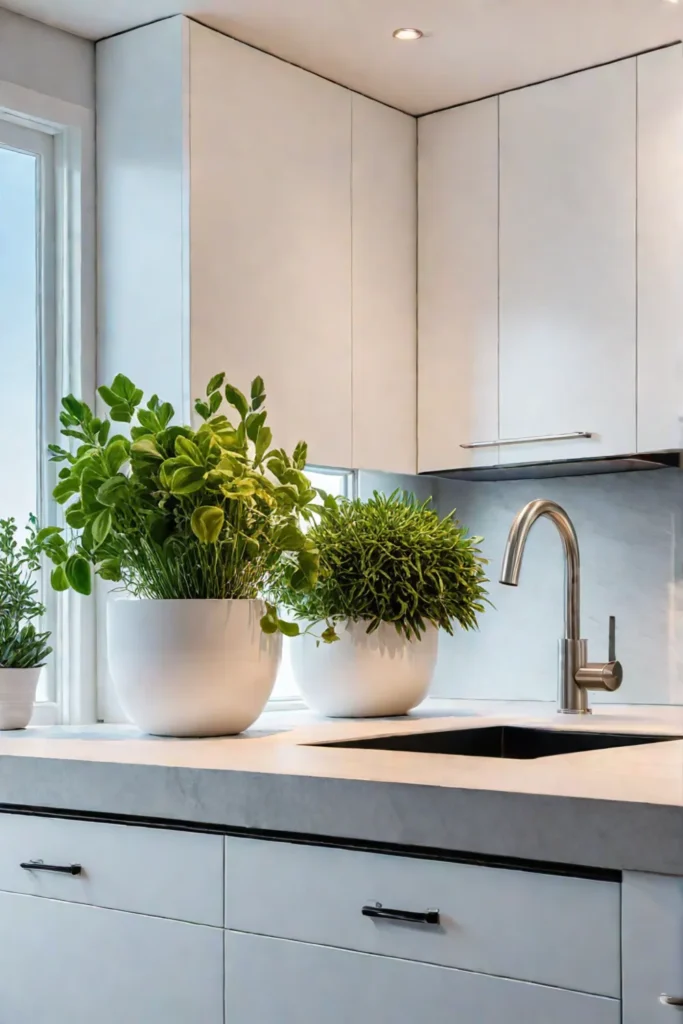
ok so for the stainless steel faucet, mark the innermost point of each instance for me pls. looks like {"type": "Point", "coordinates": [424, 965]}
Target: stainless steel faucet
{"type": "Point", "coordinates": [576, 674]}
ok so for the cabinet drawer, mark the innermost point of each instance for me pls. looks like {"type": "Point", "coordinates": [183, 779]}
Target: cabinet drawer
{"type": "Point", "coordinates": [65, 963]}
{"type": "Point", "coordinates": [551, 929]}
{"type": "Point", "coordinates": [275, 981]}
{"type": "Point", "coordinates": [147, 870]}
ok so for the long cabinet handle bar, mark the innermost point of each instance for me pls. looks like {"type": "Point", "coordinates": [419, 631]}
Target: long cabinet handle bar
{"type": "Point", "coordinates": [415, 917]}
{"type": "Point", "coordinates": [573, 436]}
{"type": "Point", "coordinates": [60, 869]}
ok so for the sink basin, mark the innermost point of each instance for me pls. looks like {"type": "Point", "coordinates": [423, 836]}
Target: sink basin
{"type": "Point", "coordinates": [508, 741]}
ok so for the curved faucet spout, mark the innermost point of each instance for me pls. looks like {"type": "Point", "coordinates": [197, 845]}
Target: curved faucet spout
{"type": "Point", "coordinates": [514, 551]}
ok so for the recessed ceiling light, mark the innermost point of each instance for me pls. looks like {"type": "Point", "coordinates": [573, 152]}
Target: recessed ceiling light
{"type": "Point", "coordinates": [672, 1]}
{"type": "Point", "coordinates": [416, 33]}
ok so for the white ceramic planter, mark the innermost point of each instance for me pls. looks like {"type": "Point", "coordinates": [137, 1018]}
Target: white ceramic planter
{"type": "Point", "coordinates": [363, 676]}
{"type": "Point", "coordinates": [191, 668]}
{"type": "Point", "coordinates": [17, 696]}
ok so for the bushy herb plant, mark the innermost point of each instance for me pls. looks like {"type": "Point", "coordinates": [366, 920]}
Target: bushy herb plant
{"type": "Point", "coordinates": [391, 559]}
{"type": "Point", "coordinates": [21, 644]}
{"type": "Point", "coordinates": [174, 512]}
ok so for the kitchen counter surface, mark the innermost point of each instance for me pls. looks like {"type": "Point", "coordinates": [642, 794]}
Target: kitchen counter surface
{"type": "Point", "coordinates": [620, 808]}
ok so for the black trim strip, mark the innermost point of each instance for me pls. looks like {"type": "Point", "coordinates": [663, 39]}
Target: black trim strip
{"type": "Point", "coordinates": [365, 846]}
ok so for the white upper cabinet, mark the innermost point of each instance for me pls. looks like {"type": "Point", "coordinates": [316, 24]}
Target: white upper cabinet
{"type": "Point", "coordinates": [270, 239]}
{"type": "Point", "coordinates": [288, 242]}
{"type": "Point", "coordinates": [660, 249]}
{"type": "Point", "coordinates": [458, 286]}
{"type": "Point", "coordinates": [384, 211]}
{"type": "Point", "coordinates": [568, 265]}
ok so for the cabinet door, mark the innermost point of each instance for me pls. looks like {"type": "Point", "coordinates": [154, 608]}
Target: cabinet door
{"type": "Point", "coordinates": [458, 286]}
{"type": "Point", "coordinates": [270, 238]}
{"type": "Point", "coordinates": [660, 249]}
{"type": "Point", "coordinates": [568, 265]}
{"type": "Point", "coordinates": [384, 300]}
{"type": "Point", "coordinates": [308, 984]}
{"type": "Point", "coordinates": [652, 948]}
{"type": "Point", "coordinates": [66, 963]}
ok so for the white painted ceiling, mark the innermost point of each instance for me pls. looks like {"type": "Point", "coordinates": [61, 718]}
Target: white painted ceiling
{"type": "Point", "coordinates": [472, 48]}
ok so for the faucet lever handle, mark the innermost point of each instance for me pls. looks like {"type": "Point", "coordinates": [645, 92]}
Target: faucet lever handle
{"type": "Point", "coordinates": [612, 639]}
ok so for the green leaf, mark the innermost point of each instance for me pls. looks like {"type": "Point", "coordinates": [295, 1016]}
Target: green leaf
{"type": "Point", "coordinates": [77, 572]}
{"type": "Point", "coordinates": [121, 413]}
{"type": "Point", "coordinates": [187, 480]}
{"type": "Point", "coordinates": [258, 393]}
{"type": "Point", "coordinates": [300, 455]}
{"type": "Point", "coordinates": [110, 569]}
{"type": "Point", "coordinates": [65, 489]}
{"type": "Point", "coordinates": [215, 383]}
{"type": "Point", "coordinates": [47, 531]}
{"type": "Point", "coordinates": [309, 563]}
{"type": "Point", "coordinates": [146, 446]}
{"type": "Point", "coordinates": [236, 399]}
{"type": "Point", "coordinates": [215, 402]}
{"type": "Point", "coordinates": [125, 389]}
{"type": "Point", "coordinates": [289, 538]}
{"type": "Point", "coordinates": [207, 522]}
{"type": "Point", "coordinates": [255, 421]}
{"type": "Point", "coordinates": [108, 396]}
{"type": "Point", "coordinates": [75, 516]}
{"type": "Point", "coordinates": [263, 442]}
{"type": "Point", "coordinates": [149, 420]}
{"type": "Point", "coordinates": [187, 449]}
{"type": "Point", "coordinates": [101, 526]}
{"type": "Point", "coordinates": [288, 628]}
{"type": "Point", "coordinates": [165, 412]}
{"type": "Point", "coordinates": [113, 491]}
{"type": "Point", "coordinates": [329, 635]}
{"type": "Point", "coordinates": [115, 455]}
{"type": "Point", "coordinates": [58, 578]}
{"type": "Point", "coordinates": [202, 409]}
{"type": "Point", "coordinates": [103, 432]}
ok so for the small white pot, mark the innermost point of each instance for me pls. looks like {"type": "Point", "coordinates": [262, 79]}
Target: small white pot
{"type": "Point", "coordinates": [191, 668]}
{"type": "Point", "coordinates": [17, 696]}
{"type": "Point", "coordinates": [365, 676]}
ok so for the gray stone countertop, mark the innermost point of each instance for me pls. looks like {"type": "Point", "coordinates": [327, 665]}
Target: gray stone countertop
{"type": "Point", "coordinates": [618, 809]}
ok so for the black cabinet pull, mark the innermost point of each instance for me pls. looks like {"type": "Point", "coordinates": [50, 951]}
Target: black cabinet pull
{"type": "Point", "coordinates": [60, 869]}
{"type": "Point", "coordinates": [415, 917]}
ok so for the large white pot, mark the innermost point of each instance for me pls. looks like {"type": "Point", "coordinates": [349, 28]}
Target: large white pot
{"type": "Point", "coordinates": [191, 668]}
{"type": "Point", "coordinates": [365, 676]}
{"type": "Point", "coordinates": [17, 696]}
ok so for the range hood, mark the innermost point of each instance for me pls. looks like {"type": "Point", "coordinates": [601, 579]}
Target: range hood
{"type": "Point", "coordinates": [571, 467]}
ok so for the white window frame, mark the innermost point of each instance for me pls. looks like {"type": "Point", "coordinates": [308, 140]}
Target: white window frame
{"type": "Point", "coordinates": [66, 348]}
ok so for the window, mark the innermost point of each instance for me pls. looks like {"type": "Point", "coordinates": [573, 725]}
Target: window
{"type": "Point", "coordinates": [27, 327]}
{"type": "Point", "coordinates": [47, 344]}
{"type": "Point", "coordinates": [339, 484]}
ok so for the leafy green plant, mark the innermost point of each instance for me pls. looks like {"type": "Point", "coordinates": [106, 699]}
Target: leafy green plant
{"type": "Point", "coordinates": [173, 512]}
{"type": "Point", "coordinates": [21, 645]}
{"type": "Point", "coordinates": [391, 559]}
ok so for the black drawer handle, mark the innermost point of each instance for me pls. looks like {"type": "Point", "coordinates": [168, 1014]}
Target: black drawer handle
{"type": "Point", "coordinates": [415, 917]}
{"type": "Point", "coordinates": [60, 869]}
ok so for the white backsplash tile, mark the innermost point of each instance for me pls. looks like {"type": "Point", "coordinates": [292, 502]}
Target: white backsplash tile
{"type": "Point", "coordinates": [630, 529]}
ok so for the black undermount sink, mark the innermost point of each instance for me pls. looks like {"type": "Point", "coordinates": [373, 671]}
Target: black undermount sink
{"type": "Point", "coordinates": [509, 741]}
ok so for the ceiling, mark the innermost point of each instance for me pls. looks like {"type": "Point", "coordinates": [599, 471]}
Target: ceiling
{"type": "Point", "coordinates": [471, 48]}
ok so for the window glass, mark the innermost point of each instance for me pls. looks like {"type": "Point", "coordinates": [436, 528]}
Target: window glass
{"type": "Point", "coordinates": [18, 334]}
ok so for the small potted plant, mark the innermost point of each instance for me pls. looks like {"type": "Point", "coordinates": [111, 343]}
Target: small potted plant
{"type": "Point", "coordinates": [392, 574]}
{"type": "Point", "coordinates": [192, 524]}
{"type": "Point", "coordinates": [23, 649]}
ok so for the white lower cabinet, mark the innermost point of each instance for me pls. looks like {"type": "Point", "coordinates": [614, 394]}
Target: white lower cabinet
{"type": "Point", "coordinates": [277, 981]}
{"type": "Point", "coordinates": [66, 963]}
{"type": "Point", "coordinates": [652, 949]}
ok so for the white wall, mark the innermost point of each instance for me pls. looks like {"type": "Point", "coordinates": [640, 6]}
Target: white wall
{"type": "Point", "coordinates": [46, 60]}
